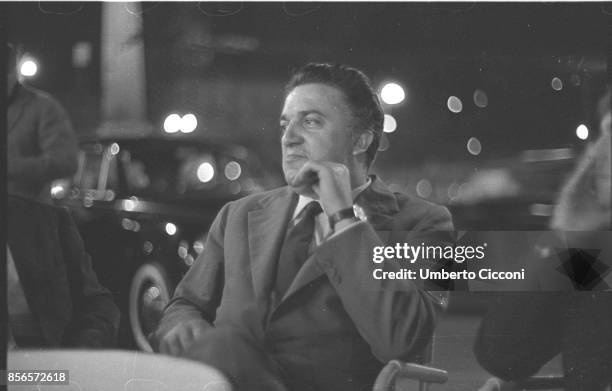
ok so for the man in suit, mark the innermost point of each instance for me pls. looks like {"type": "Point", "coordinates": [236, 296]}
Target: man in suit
{"type": "Point", "coordinates": [276, 309]}
{"type": "Point", "coordinates": [53, 296]}
{"type": "Point", "coordinates": [41, 143]}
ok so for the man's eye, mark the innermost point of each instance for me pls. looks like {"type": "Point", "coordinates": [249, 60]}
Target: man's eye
{"type": "Point", "coordinates": [282, 127]}
{"type": "Point", "coordinates": [311, 123]}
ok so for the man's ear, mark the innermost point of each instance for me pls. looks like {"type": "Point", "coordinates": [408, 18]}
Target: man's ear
{"type": "Point", "coordinates": [362, 141]}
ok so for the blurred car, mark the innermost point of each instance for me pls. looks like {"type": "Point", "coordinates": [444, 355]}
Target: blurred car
{"type": "Point", "coordinates": [144, 205]}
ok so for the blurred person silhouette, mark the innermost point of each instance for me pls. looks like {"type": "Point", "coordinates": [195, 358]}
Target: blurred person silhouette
{"type": "Point", "coordinates": [282, 297]}
{"type": "Point", "coordinates": [573, 314]}
{"type": "Point", "coordinates": [584, 202]}
{"type": "Point", "coordinates": [53, 296]}
{"type": "Point", "coordinates": [41, 144]}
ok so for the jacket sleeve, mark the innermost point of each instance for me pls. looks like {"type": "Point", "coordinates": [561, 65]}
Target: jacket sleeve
{"type": "Point", "coordinates": [57, 144]}
{"type": "Point", "coordinates": [396, 317]}
{"type": "Point", "coordinates": [198, 295]}
{"type": "Point", "coordinates": [95, 317]}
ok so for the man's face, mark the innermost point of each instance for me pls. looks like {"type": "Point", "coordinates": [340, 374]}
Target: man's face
{"type": "Point", "coordinates": [316, 124]}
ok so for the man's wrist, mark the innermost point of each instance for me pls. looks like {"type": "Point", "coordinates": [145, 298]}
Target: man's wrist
{"type": "Point", "coordinates": [342, 218]}
{"type": "Point", "coordinates": [342, 225]}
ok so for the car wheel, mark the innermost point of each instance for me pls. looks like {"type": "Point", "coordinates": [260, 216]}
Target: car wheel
{"type": "Point", "coordinates": [150, 291]}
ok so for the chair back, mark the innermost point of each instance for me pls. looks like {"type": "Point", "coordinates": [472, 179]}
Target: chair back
{"type": "Point", "coordinates": [409, 376]}
{"type": "Point", "coordinates": [110, 370]}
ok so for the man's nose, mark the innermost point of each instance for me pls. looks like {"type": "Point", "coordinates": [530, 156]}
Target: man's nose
{"type": "Point", "coordinates": [292, 135]}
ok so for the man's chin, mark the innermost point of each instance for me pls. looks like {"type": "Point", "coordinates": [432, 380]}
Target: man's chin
{"type": "Point", "coordinates": [290, 170]}
{"type": "Point", "coordinates": [289, 176]}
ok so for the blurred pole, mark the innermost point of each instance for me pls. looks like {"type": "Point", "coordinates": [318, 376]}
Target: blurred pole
{"type": "Point", "coordinates": [4, 325]}
{"type": "Point", "coordinates": [122, 64]}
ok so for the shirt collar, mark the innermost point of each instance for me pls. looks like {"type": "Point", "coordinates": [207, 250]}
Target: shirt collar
{"type": "Point", "coordinates": [303, 200]}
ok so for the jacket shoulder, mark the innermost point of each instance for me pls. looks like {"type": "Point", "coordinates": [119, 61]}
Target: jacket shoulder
{"type": "Point", "coordinates": [425, 213]}
{"type": "Point", "coordinates": [23, 208]}
{"type": "Point", "coordinates": [34, 93]}
{"type": "Point", "coordinates": [257, 200]}
{"type": "Point", "coordinates": [40, 99]}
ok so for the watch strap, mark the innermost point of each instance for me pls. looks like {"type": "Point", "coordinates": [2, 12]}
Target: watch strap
{"type": "Point", "coordinates": [340, 215]}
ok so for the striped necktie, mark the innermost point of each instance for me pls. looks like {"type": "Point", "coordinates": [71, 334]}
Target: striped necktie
{"type": "Point", "coordinates": [295, 247]}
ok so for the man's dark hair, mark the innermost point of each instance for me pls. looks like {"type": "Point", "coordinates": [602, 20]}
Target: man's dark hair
{"type": "Point", "coordinates": [359, 94]}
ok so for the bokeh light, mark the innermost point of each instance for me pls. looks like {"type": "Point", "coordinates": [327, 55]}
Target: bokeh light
{"type": "Point", "coordinates": [390, 124]}
{"type": "Point", "coordinates": [454, 104]}
{"type": "Point", "coordinates": [170, 229]}
{"type": "Point", "coordinates": [481, 99]}
{"type": "Point", "coordinates": [198, 246]}
{"type": "Point", "coordinates": [173, 123]}
{"type": "Point", "coordinates": [392, 94]}
{"type": "Point", "coordinates": [129, 204]}
{"type": "Point", "coordinates": [582, 132]}
{"type": "Point", "coordinates": [57, 191]}
{"type": "Point", "coordinates": [232, 170]}
{"type": "Point", "coordinates": [183, 249]}
{"type": "Point", "coordinates": [28, 68]}
{"type": "Point", "coordinates": [474, 146]}
{"type": "Point", "coordinates": [453, 190]}
{"type": "Point", "coordinates": [556, 84]}
{"type": "Point", "coordinates": [206, 172]}
{"type": "Point", "coordinates": [147, 247]}
{"type": "Point", "coordinates": [114, 149]}
{"type": "Point", "coordinates": [189, 260]}
{"type": "Point", "coordinates": [424, 188]}
{"type": "Point", "coordinates": [189, 123]}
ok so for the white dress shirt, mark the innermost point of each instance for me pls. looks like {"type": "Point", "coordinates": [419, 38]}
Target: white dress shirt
{"type": "Point", "coordinates": [322, 228]}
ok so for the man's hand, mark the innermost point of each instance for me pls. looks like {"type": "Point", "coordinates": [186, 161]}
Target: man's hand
{"type": "Point", "coordinates": [182, 336]}
{"type": "Point", "coordinates": [328, 182]}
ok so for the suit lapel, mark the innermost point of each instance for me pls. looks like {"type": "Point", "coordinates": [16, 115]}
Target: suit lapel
{"type": "Point", "coordinates": [267, 227]}
{"type": "Point", "coordinates": [307, 273]}
{"type": "Point", "coordinates": [378, 205]}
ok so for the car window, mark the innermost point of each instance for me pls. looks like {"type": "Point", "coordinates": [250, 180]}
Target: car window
{"type": "Point", "coordinates": [169, 172]}
{"type": "Point", "coordinates": [136, 174]}
{"type": "Point", "coordinates": [185, 172]}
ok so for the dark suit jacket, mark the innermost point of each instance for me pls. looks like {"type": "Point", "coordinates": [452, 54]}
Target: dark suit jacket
{"type": "Point", "coordinates": [336, 324]}
{"type": "Point", "coordinates": [60, 285]}
{"type": "Point", "coordinates": [41, 144]}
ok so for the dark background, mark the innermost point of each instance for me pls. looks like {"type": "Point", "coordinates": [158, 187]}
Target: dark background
{"type": "Point", "coordinates": [227, 62]}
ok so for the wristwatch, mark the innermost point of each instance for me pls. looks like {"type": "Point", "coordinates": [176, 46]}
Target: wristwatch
{"type": "Point", "coordinates": [346, 213]}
